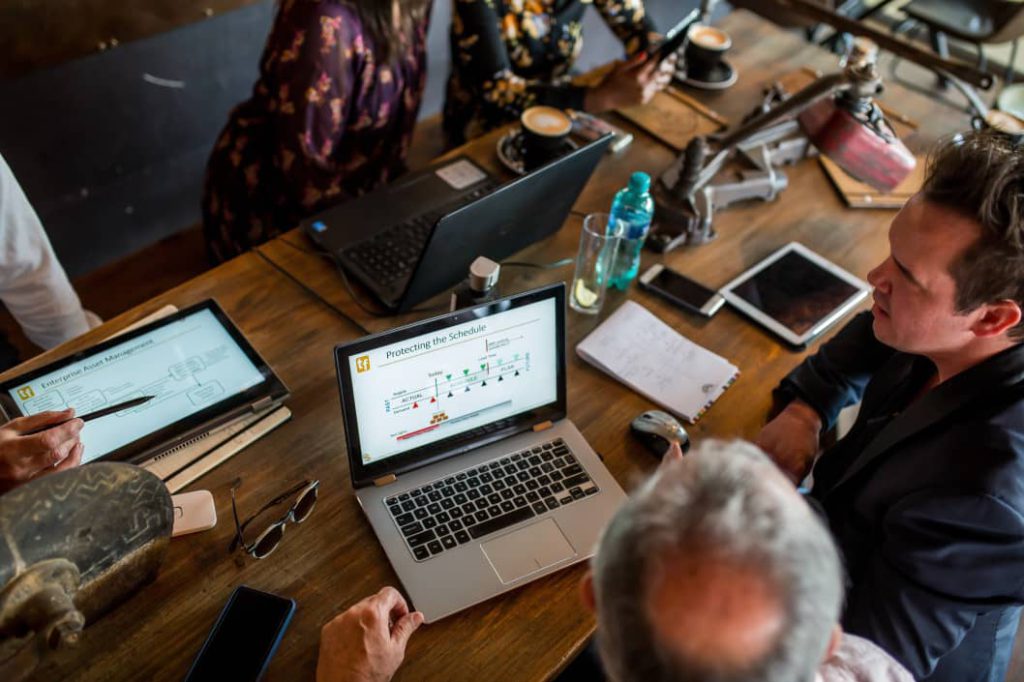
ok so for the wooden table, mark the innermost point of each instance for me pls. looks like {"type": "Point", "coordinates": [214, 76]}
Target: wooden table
{"type": "Point", "coordinates": [333, 559]}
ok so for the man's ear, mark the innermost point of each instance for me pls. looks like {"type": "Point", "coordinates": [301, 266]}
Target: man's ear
{"type": "Point", "coordinates": [587, 591]}
{"type": "Point", "coordinates": [834, 641]}
{"type": "Point", "coordinates": [997, 318]}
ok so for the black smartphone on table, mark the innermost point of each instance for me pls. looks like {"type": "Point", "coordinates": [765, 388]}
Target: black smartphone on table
{"type": "Point", "coordinates": [244, 638]}
{"type": "Point", "coordinates": [681, 290]}
{"type": "Point", "coordinates": [674, 39]}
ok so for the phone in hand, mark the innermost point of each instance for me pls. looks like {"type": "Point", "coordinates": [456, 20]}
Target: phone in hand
{"type": "Point", "coordinates": [681, 290]}
{"type": "Point", "coordinates": [244, 638]}
{"type": "Point", "coordinates": [674, 39]}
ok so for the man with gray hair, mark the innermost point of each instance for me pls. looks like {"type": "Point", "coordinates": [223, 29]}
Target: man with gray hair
{"type": "Point", "coordinates": [715, 570]}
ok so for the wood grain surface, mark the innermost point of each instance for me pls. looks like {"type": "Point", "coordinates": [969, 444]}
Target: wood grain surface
{"type": "Point", "coordinates": [333, 559]}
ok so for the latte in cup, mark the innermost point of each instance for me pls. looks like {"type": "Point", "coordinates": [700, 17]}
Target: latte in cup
{"type": "Point", "coordinates": [710, 38]}
{"type": "Point", "coordinates": [545, 130]}
{"type": "Point", "coordinates": [546, 121]}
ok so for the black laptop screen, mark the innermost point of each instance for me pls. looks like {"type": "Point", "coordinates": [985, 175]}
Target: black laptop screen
{"type": "Point", "coordinates": [456, 379]}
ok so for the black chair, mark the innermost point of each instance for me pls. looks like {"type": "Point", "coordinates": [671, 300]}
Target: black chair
{"type": "Point", "coordinates": [978, 22]}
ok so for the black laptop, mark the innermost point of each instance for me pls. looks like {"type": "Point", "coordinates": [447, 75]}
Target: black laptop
{"type": "Point", "coordinates": [416, 237]}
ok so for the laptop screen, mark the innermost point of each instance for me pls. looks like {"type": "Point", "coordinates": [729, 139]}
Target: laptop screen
{"type": "Point", "coordinates": [438, 388]}
{"type": "Point", "coordinates": [446, 382]}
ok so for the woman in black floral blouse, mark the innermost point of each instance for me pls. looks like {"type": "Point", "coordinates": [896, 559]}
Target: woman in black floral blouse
{"type": "Point", "coordinates": [330, 118]}
{"type": "Point", "coordinates": [508, 55]}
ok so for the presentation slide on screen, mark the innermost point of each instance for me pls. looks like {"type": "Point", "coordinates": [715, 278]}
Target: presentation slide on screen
{"type": "Point", "coordinates": [187, 366]}
{"type": "Point", "coordinates": [438, 385]}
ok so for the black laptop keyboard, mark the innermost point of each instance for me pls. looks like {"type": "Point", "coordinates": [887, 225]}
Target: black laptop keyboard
{"type": "Point", "coordinates": [391, 255]}
{"type": "Point", "coordinates": [483, 500]}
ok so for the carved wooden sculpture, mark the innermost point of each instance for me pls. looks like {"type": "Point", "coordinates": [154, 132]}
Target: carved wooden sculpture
{"type": "Point", "coordinates": [72, 546]}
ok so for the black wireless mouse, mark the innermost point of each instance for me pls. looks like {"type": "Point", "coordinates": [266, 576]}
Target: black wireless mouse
{"type": "Point", "coordinates": [657, 430]}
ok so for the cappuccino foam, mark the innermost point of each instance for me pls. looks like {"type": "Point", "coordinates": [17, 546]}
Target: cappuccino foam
{"type": "Point", "coordinates": [546, 121]}
{"type": "Point", "coordinates": [710, 37]}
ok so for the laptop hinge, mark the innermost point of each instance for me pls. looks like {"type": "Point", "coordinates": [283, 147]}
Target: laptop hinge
{"type": "Point", "coordinates": [262, 404]}
{"type": "Point", "coordinates": [543, 426]}
{"type": "Point", "coordinates": [385, 480]}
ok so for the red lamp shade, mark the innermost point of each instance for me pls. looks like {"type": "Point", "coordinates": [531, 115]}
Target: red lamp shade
{"type": "Point", "coordinates": [856, 144]}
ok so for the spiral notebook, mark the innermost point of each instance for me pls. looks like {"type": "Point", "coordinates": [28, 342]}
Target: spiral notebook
{"type": "Point", "coordinates": [644, 353]}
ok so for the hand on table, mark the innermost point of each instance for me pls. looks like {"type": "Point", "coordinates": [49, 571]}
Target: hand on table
{"type": "Point", "coordinates": [792, 439]}
{"type": "Point", "coordinates": [367, 642]}
{"type": "Point", "coordinates": [630, 83]}
{"type": "Point", "coordinates": [26, 457]}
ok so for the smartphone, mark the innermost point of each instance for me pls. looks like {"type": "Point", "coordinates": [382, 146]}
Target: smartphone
{"type": "Point", "coordinates": [244, 638]}
{"type": "Point", "coordinates": [675, 37]}
{"type": "Point", "coordinates": [592, 128]}
{"type": "Point", "coordinates": [681, 290]}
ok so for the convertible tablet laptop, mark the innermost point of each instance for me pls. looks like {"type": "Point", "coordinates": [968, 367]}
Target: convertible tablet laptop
{"type": "Point", "coordinates": [796, 293]}
{"type": "Point", "coordinates": [461, 454]}
{"type": "Point", "coordinates": [201, 370]}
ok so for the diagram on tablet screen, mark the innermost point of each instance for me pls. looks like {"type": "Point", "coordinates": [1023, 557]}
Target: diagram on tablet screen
{"type": "Point", "coordinates": [193, 379]}
{"type": "Point", "coordinates": [187, 366]}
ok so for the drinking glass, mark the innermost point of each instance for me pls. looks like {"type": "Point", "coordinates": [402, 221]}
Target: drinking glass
{"type": "Point", "coordinates": [599, 243]}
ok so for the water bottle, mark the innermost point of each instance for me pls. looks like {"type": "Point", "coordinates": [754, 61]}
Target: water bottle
{"type": "Point", "coordinates": [632, 211]}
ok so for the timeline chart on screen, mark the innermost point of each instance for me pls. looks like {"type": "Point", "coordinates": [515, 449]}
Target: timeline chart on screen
{"type": "Point", "coordinates": [434, 386]}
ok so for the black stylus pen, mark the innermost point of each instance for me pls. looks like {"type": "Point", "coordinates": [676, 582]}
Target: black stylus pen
{"type": "Point", "coordinates": [126, 405]}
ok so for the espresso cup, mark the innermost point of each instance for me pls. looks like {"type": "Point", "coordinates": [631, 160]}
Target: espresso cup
{"type": "Point", "coordinates": [705, 50]}
{"type": "Point", "coordinates": [545, 130]}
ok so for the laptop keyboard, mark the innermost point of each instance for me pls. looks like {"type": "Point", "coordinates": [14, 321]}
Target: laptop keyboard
{"type": "Point", "coordinates": [483, 500]}
{"type": "Point", "coordinates": [390, 256]}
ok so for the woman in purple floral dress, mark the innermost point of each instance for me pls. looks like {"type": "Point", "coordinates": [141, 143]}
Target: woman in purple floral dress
{"type": "Point", "coordinates": [330, 118]}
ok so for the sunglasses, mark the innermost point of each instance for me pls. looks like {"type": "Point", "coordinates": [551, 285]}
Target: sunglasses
{"type": "Point", "coordinates": [267, 541]}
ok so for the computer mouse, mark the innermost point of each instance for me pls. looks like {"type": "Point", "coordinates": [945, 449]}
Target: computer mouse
{"type": "Point", "coordinates": [657, 430]}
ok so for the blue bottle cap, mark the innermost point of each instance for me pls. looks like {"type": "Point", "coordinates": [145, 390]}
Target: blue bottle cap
{"type": "Point", "coordinates": [640, 182]}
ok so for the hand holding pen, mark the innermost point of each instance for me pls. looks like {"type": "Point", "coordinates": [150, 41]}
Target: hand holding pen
{"type": "Point", "coordinates": [46, 442]}
{"type": "Point", "coordinates": [39, 444]}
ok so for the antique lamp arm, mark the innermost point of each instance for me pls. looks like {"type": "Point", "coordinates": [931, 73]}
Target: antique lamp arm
{"type": "Point", "coordinates": [692, 172]}
{"type": "Point", "coordinates": [826, 85]}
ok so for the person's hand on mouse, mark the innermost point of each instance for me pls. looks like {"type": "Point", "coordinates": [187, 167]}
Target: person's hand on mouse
{"type": "Point", "coordinates": [673, 454]}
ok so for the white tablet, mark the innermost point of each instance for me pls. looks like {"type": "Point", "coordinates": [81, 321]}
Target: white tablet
{"type": "Point", "coordinates": [197, 365]}
{"type": "Point", "coordinates": [796, 293]}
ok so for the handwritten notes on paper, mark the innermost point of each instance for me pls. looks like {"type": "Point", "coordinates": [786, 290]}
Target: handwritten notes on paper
{"type": "Point", "coordinates": [644, 353]}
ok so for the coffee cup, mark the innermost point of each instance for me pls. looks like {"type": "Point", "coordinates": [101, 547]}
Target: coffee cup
{"type": "Point", "coordinates": [705, 52]}
{"type": "Point", "coordinates": [545, 130]}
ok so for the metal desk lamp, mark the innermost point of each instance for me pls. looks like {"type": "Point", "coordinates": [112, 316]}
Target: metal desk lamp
{"type": "Point", "coordinates": [836, 115]}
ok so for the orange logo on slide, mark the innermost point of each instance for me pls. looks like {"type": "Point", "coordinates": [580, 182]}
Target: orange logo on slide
{"type": "Point", "coordinates": [362, 364]}
{"type": "Point", "coordinates": [26, 392]}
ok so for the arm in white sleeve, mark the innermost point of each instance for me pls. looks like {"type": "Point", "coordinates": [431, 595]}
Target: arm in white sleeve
{"type": "Point", "coordinates": [33, 284]}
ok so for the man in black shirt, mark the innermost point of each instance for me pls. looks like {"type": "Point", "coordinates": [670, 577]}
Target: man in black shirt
{"type": "Point", "coordinates": [925, 495]}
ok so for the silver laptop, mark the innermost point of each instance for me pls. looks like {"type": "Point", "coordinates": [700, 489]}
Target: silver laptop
{"type": "Point", "coordinates": [461, 454]}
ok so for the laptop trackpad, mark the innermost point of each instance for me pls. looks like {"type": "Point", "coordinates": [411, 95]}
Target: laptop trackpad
{"type": "Point", "coordinates": [527, 550]}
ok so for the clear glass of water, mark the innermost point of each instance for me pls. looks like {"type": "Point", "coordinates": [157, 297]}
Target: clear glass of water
{"type": "Point", "coordinates": [594, 261]}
